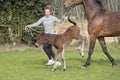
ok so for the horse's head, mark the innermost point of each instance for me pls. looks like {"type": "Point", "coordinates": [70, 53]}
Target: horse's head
{"type": "Point", "coordinates": [40, 40]}
{"type": "Point", "coordinates": [72, 3]}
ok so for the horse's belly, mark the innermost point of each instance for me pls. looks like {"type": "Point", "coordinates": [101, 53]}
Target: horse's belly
{"type": "Point", "coordinates": [109, 33]}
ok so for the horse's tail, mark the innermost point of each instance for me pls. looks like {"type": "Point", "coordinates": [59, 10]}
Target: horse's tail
{"type": "Point", "coordinates": [71, 21]}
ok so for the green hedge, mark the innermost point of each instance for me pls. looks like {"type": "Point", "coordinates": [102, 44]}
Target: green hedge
{"type": "Point", "coordinates": [16, 14]}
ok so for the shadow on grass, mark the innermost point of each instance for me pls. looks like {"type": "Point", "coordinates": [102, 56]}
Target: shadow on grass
{"type": "Point", "coordinates": [37, 64]}
{"type": "Point", "coordinates": [98, 62]}
{"type": "Point", "coordinates": [72, 63]}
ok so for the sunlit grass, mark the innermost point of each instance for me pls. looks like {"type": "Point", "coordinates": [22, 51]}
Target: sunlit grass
{"type": "Point", "coordinates": [30, 65]}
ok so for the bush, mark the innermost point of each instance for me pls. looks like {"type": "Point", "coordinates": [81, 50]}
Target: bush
{"type": "Point", "coordinates": [18, 13]}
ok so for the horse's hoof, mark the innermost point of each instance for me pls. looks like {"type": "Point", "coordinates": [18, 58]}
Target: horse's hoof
{"type": "Point", "coordinates": [63, 69]}
{"type": "Point", "coordinates": [53, 70]}
{"type": "Point", "coordinates": [84, 66]}
{"type": "Point", "coordinates": [114, 65]}
{"type": "Point", "coordinates": [83, 56]}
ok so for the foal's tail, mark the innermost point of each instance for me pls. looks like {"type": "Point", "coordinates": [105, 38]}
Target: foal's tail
{"type": "Point", "coordinates": [71, 21]}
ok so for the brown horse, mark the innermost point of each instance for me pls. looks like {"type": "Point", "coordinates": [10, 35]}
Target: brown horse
{"type": "Point", "coordinates": [59, 41]}
{"type": "Point", "coordinates": [101, 23]}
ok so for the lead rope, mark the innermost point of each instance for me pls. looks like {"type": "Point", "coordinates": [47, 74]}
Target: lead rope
{"type": "Point", "coordinates": [30, 31]}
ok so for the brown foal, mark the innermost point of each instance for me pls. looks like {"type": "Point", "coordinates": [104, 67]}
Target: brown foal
{"type": "Point", "coordinates": [59, 41]}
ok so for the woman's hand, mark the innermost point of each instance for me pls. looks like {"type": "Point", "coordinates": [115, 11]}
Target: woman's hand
{"type": "Point", "coordinates": [27, 27]}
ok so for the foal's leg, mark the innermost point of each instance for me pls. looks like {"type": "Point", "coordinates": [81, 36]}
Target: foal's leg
{"type": "Point", "coordinates": [81, 46]}
{"type": "Point", "coordinates": [104, 48]}
{"type": "Point", "coordinates": [91, 48]}
{"type": "Point", "coordinates": [63, 60]}
{"type": "Point", "coordinates": [56, 58]}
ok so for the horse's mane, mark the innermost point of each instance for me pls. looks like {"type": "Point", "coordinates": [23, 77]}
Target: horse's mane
{"type": "Point", "coordinates": [99, 2]}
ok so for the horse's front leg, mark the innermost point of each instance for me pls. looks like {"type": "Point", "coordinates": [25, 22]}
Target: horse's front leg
{"type": "Point", "coordinates": [104, 48]}
{"type": "Point", "coordinates": [91, 48]}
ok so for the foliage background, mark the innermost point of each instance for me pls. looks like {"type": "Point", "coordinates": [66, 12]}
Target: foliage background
{"type": "Point", "coordinates": [15, 14]}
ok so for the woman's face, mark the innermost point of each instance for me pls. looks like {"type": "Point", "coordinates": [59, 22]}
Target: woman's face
{"type": "Point", "coordinates": [47, 12]}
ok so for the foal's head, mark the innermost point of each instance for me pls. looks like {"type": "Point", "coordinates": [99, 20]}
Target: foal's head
{"type": "Point", "coordinates": [72, 3]}
{"type": "Point", "coordinates": [40, 40]}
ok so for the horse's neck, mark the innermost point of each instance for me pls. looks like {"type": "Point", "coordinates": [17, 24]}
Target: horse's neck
{"type": "Point", "coordinates": [91, 8]}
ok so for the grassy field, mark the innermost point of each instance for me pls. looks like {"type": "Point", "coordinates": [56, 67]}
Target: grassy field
{"type": "Point", "coordinates": [30, 65]}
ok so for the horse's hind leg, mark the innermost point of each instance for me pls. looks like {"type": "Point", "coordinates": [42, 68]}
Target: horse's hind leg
{"type": "Point", "coordinates": [104, 48]}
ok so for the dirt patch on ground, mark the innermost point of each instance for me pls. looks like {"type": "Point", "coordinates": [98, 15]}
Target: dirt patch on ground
{"type": "Point", "coordinates": [8, 47]}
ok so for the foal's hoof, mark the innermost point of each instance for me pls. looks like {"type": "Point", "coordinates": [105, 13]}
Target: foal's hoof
{"type": "Point", "coordinates": [53, 70]}
{"type": "Point", "coordinates": [82, 56]}
{"type": "Point", "coordinates": [84, 66]}
{"type": "Point", "coordinates": [63, 69]}
{"type": "Point", "coordinates": [114, 65]}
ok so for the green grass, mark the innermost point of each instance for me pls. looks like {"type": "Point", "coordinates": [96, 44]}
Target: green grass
{"type": "Point", "coordinates": [30, 65]}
